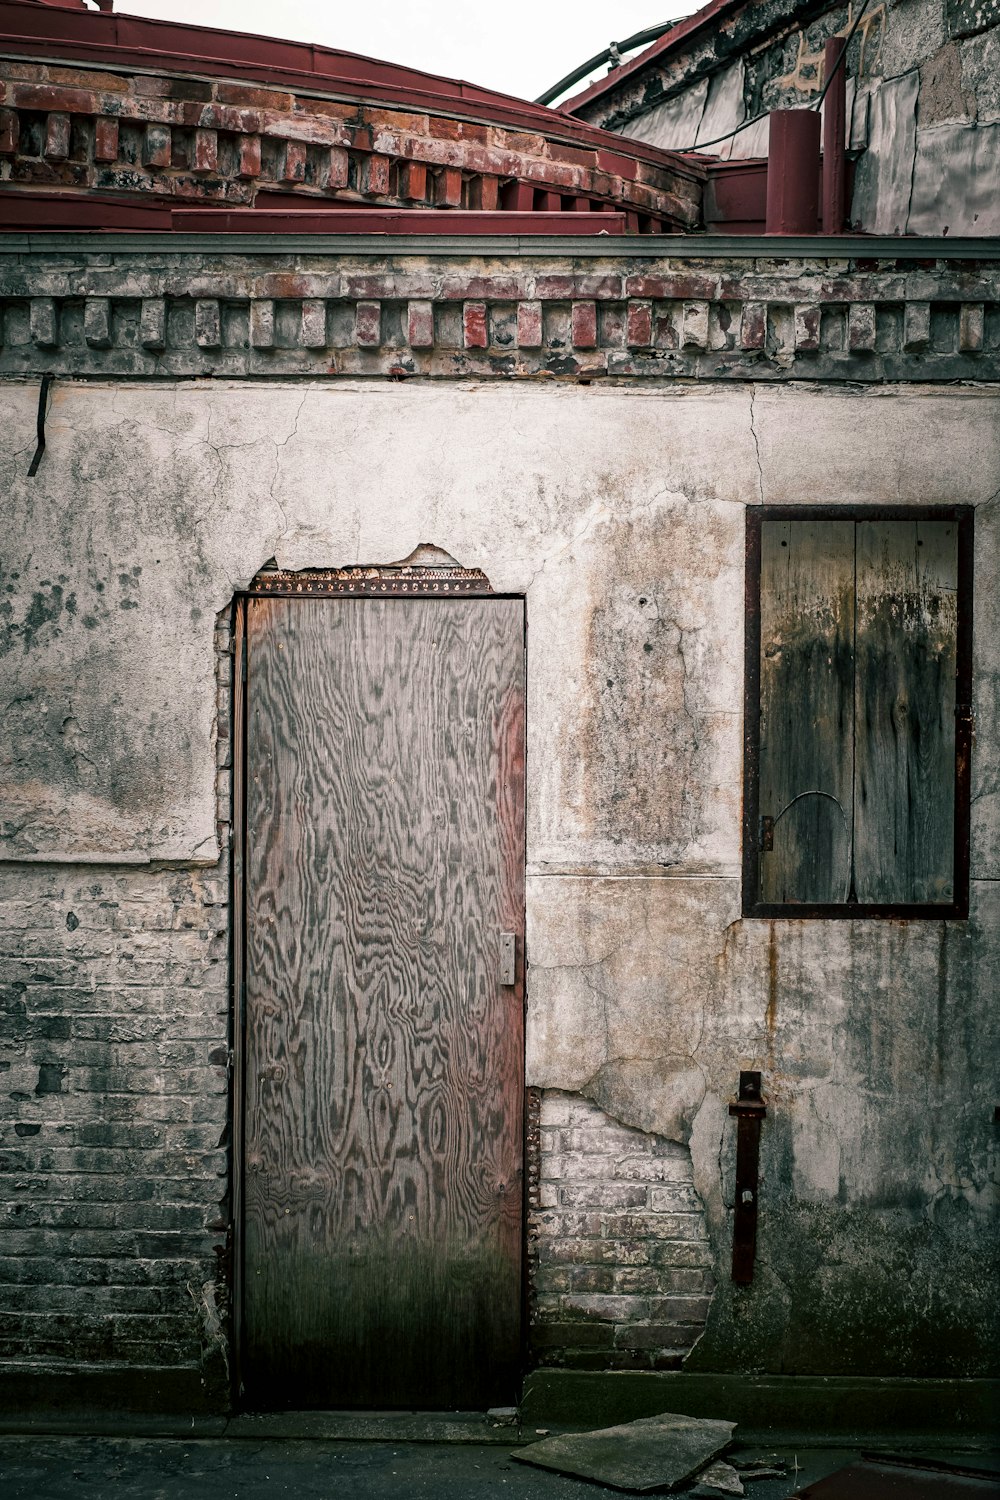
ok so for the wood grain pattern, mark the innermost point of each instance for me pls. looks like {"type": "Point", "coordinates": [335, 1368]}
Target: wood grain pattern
{"type": "Point", "coordinates": [907, 625]}
{"type": "Point", "coordinates": [807, 708]}
{"type": "Point", "coordinates": [384, 1062]}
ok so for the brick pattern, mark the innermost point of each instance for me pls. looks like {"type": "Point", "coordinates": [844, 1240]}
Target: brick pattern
{"type": "Point", "coordinates": [402, 314]}
{"type": "Point", "coordinates": [198, 141]}
{"type": "Point", "coordinates": [620, 1266]}
{"type": "Point", "coordinates": [114, 1080]}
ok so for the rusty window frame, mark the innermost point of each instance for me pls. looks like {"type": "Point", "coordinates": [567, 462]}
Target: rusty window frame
{"type": "Point", "coordinates": [958, 908]}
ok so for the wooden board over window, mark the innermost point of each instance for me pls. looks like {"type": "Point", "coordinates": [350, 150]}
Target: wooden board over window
{"type": "Point", "coordinates": [858, 692]}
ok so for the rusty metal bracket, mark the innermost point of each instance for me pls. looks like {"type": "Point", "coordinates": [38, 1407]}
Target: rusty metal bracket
{"type": "Point", "coordinates": [749, 1109]}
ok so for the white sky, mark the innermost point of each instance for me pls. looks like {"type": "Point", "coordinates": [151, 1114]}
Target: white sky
{"type": "Point", "coordinates": [520, 47]}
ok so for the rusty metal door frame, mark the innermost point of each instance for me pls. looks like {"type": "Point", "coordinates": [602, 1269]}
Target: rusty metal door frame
{"type": "Point", "coordinates": [359, 582]}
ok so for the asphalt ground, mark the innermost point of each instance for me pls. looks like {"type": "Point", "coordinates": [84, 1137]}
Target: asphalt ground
{"type": "Point", "coordinates": [40, 1466]}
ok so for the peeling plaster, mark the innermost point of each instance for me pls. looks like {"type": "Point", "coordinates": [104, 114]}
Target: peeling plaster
{"type": "Point", "coordinates": [620, 514]}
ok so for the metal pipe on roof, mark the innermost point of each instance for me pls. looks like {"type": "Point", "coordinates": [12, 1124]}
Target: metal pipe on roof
{"type": "Point", "coordinates": [611, 54]}
{"type": "Point", "coordinates": [834, 133]}
{"type": "Point", "coordinates": [793, 172]}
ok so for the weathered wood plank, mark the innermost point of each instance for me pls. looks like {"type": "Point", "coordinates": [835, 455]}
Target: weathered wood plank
{"type": "Point", "coordinates": [806, 708]}
{"type": "Point", "coordinates": [907, 622]}
{"type": "Point", "coordinates": [385, 795]}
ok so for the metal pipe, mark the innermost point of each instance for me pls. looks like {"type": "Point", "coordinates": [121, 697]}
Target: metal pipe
{"type": "Point", "coordinates": [793, 172]}
{"type": "Point", "coordinates": [834, 136]}
{"type": "Point", "coordinates": [611, 55]}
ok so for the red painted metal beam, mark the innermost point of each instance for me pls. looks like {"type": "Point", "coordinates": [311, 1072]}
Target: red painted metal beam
{"type": "Point", "coordinates": [31, 212]}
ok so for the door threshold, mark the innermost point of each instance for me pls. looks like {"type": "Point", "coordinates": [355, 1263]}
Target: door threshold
{"type": "Point", "coordinates": [499, 1427]}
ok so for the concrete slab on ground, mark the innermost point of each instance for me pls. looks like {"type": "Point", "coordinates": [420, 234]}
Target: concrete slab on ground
{"type": "Point", "coordinates": [654, 1453]}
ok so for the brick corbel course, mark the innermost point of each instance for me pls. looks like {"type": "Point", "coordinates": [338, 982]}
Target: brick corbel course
{"type": "Point", "coordinates": [469, 161]}
{"type": "Point", "coordinates": [469, 319]}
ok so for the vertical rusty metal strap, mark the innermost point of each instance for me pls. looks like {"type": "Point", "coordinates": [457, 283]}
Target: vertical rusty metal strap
{"type": "Point", "coordinates": [238, 969]}
{"type": "Point", "coordinates": [532, 1203]}
{"type": "Point", "coordinates": [749, 1110]}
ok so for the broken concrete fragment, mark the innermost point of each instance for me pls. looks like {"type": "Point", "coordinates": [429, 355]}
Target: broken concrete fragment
{"type": "Point", "coordinates": [718, 1478]}
{"type": "Point", "coordinates": [654, 1453]}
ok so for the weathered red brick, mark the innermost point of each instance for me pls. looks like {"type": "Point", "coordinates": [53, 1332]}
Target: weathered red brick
{"type": "Point", "coordinates": [529, 325]}
{"type": "Point", "coordinates": [375, 176]}
{"type": "Point", "coordinates": [253, 97]}
{"type": "Point", "coordinates": [293, 167]}
{"type": "Point", "coordinates": [420, 325]}
{"type": "Point", "coordinates": [448, 188]}
{"type": "Point", "coordinates": [391, 119]}
{"type": "Point", "coordinates": [9, 131]}
{"type": "Point", "coordinates": [57, 132]}
{"type": "Point", "coordinates": [517, 197]}
{"type": "Point", "coordinates": [555, 286]}
{"type": "Point", "coordinates": [82, 78]}
{"type": "Point", "coordinates": [413, 181]}
{"type": "Point", "coordinates": [334, 109]}
{"type": "Point", "coordinates": [583, 322]}
{"type": "Point", "coordinates": [248, 164]}
{"type": "Point", "coordinates": [312, 327]}
{"type": "Point", "coordinates": [557, 151]}
{"type": "Point", "coordinates": [475, 334]}
{"type": "Point", "coordinates": [639, 324]}
{"type": "Point", "coordinates": [484, 193]}
{"type": "Point", "coordinates": [337, 168]}
{"type": "Point", "coordinates": [807, 316]}
{"type": "Point", "coordinates": [368, 324]}
{"type": "Point", "coordinates": [458, 130]}
{"type": "Point", "coordinates": [105, 138]}
{"type": "Point", "coordinates": [753, 325]}
{"type": "Point", "coordinates": [43, 96]}
{"type": "Point", "coordinates": [206, 151]}
{"type": "Point", "coordinates": [156, 146]}
{"type": "Point", "coordinates": [172, 88]}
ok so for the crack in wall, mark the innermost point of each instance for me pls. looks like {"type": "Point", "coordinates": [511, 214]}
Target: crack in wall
{"type": "Point", "coordinates": [756, 442]}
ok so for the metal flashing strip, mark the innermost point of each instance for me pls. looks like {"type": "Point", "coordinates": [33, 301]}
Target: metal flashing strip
{"type": "Point", "coordinates": [630, 247]}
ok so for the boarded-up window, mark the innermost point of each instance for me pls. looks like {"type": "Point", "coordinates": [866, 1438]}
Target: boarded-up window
{"type": "Point", "coordinates": [858, 656]}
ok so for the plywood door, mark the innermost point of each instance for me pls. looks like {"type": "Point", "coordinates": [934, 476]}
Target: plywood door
{"type": "Point", "coordinates": [384, 1058]}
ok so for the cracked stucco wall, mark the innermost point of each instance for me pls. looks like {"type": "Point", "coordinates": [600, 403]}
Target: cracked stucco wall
{"type": "Point", "coordinates": [620, 515]}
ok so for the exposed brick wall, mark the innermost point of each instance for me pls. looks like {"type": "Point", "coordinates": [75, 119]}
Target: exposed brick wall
{"type": "Point", "coordinates": [620, 1258]}
{"type": "Point", "coordinates": [401, 314]}
{"type": "Point", "coordinates": [113, 1112]}
{"type": "Point", "coordinates": [195, 140]}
